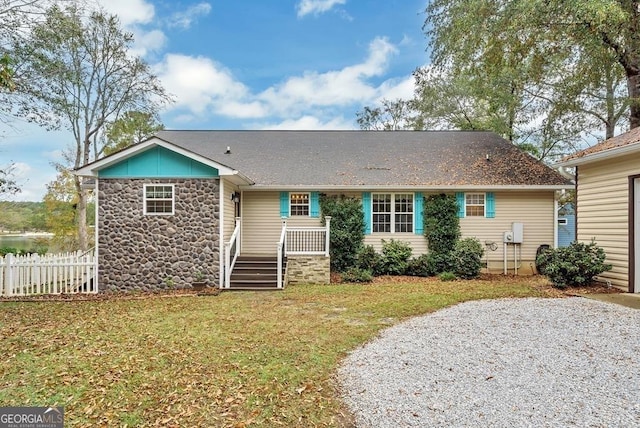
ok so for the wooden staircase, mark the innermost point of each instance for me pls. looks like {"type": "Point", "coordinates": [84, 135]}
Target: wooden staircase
{"type": "Point", "coordinates": [256, 273]}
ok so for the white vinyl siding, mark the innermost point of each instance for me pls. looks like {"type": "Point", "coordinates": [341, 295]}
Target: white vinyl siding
{"type": "Point", "coordinates": [535, 209]}
{"type": "Point", "coordinates": [229, 210]}
{"type": "Point", "coordinates": [603, 211]}
{"type": "Point", "coordinates": [261, 222]}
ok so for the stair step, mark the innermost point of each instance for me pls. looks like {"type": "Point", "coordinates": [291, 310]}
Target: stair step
{"type": "Point", "coordinates": [255, 273]}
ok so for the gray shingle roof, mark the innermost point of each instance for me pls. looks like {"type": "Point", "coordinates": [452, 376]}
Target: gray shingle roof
{"type": "Point", "coordinates": [375, 158]}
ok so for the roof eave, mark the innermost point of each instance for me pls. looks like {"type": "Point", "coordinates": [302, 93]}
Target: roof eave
{"type": "Point", "coordinates": [600, 156]}
{"type": "Point", "coordinates": [361, 187]}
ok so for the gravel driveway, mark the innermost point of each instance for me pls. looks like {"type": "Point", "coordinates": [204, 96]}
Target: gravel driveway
{"type": "Point", "coordinates": [501, 363]}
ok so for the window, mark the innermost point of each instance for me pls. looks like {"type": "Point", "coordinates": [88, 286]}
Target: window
{"type": "Point", "coordinates": [562, 221]}
{"type": "Point", "coordinates": [158, 199]}
{"type": "Point", "coordinates": [299, 204]}
{"type": "Point", "coordinates": [392, 212]}
{"type": "Point", "coordinates": [474, 205]}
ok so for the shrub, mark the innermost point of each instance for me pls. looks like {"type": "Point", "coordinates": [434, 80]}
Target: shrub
{"type": "Point", "coordinates": [441, 222]}
{"type": "Point", "coordinates": [467, 258]}
{"type": "Point", "coordinates": [575, 265]}
{"type": "Point", "coordinates": [357, 275]}
{"type": "Point", "coordinates": [420, 266]}
{"type": "Point", "coordinates": [347, 229]}
{"type": "Point", "coordinates": [9, 250]}
{"type": "Point", "coordinates": [368, 259]}
{"type": "Point", "coordinates": [440, 262]}
{"type": "Point", "coordinates": [395, 257]}
{"type": "Point", "coordinates": [447, 276]}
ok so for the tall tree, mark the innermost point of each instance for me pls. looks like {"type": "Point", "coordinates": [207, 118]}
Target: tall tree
{"type": "Point", "coordinates": [132, 128]}
{"type": "Point", "coordinates": [564, 50]}
{"type": "Point", "coordinates": [8, 185]}
{"type": "Point", "coordinates": [390, 116]}
{"type": "Point", "coordinates": [60, 202]}
{"type": "Point", "coordinates": [78, 72]}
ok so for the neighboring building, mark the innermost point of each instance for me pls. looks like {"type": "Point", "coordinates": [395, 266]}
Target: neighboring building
{"type": "Point", "coordinates": [608, 203]}
{"type": "Point", "coordinates": [167, 207]}
{"type": "Point", "coordinates": [566, 224]}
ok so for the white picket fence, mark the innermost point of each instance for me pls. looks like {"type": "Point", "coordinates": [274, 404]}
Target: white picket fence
{"type": "Point", "coordinates": [33, 274]}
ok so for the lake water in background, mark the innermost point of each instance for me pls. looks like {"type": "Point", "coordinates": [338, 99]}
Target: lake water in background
{"type": "Point", "coordinates": [20, 242]}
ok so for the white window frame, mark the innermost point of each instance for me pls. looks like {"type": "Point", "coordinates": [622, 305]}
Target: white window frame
{"type": "Point", "coordinates": [393, 213]}
{"type": "Point", "coordinates": [308, 204]}
{"type": "Point", "coordinates": [173, 198]}
{"type": "Point", "coordinates": [483, 205]}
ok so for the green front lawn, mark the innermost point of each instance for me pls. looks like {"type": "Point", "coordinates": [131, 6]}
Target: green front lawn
{"type": "Point", "coordinates": [237, 359]}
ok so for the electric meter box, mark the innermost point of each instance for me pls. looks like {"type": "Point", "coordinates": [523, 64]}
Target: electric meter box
{"type": "Point", "coordinates": [517, 229]}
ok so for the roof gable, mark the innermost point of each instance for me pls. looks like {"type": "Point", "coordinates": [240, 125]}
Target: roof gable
{"type": "Point", "coordinates": [156, 162]}
{"type": "Point", "coordinates": [170, 161]}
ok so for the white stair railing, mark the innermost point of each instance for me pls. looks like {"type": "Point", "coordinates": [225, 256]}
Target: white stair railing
{"type": "Point", "coordinates": [282, 252]}
{"type": "Point", "coordinates": [231, 253]}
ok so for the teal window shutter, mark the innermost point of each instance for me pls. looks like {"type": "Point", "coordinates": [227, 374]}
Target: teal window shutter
{"type": "Point", "coordinates": [418, 228]}
{"type": "Point", "coordinates": [491, 205]}
{"type": "Point", "coordinates": [366, 207]}
{"type": "Point", "coordinates": [314, 208]}
{"type": "Point", "coordinates": [460, 201]}
{"type": "Point", "coordinates": [284, 204]}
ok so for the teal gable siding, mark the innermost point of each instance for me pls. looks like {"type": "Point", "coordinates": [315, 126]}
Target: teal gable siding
{"type": "Point", "coordinates": [158, 162]}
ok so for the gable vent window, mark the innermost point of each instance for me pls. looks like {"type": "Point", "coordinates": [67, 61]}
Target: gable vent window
{"type": "Point", "coordinates": [299, 204]}
{"type": "Point", "coordinates": [158, 199]}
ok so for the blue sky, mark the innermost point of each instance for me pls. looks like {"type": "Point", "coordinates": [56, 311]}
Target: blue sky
{"type": "Point", "coordinates": [253, 64]}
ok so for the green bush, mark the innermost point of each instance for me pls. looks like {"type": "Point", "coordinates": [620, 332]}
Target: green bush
{"type": "Point", "coordinates": [368, 259]}
{"type": "Point", "coordinates": [347, 229]}
{"type": "Point", "coordinates": [395, 257]}
{"type": "Point", "coordinates": [440, 262]}
{"type": "Point", "coordinates": [357, 275]}
{"type": "Point", "coordinates": [9, 250]}
{"type": "Point", "coordinates": [420, 266]}
{"type": "Point", "coordinates": [575, 265]}
{"type": "Point", "coordinates": [447, 276]}
{"type": "Point", "coordinates": [441, 222]}
{"type": "Point", "coordinates": [467, 257]}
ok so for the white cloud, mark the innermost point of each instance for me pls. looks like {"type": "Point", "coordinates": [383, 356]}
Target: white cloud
{"type": "Point", "coordinates": [148, 41]}
{"type": "Point", "coordinates": [202, 85]}
{"type": "Point", "coordinates": [310, 123]}
{"type": "Point", "coordinates": [341, 87]}
{"type": "Point", "coordinates": [393, 89]}
{"type": "Point", "coordinates": [130, 12]}
{"type": "Point", "coordinates": [316, 7]}
{"type": "Point", "coordinates": [186, 18]}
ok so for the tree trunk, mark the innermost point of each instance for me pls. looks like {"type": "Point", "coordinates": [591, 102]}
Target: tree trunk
{"type": "Point", "coordinates": [633, 86]}
{"type": "Point", "coordinates": [81, 215]}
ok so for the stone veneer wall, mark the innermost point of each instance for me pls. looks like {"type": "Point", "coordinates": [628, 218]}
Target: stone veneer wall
{"type": "Point", "coordinates": [308, 270]}
{"type": "Point", "coordinates": [149, 252]}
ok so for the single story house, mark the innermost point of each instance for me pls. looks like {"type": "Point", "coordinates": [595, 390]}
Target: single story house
{"type": "Point", "coordinates": [607, 177]}
{"type": "Point", "coordinates": [242, 207]}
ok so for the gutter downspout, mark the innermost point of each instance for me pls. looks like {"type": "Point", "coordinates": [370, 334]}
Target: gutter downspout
{"type": "Point", "coordinates": [555, 222]}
